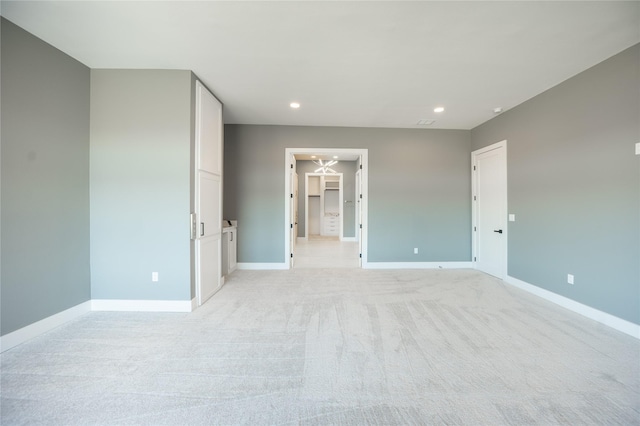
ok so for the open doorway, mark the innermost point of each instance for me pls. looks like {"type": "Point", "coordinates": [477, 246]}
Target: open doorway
{"type": "Point", "coordinates": [332, 233]}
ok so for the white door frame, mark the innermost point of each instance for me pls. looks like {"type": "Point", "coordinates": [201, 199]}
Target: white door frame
{"type": "Point", "coordinates": [293, 207]}
{"type": "Point", "coordinates": [474, 209]}
{"type": "Point", "coordinates": [364, 163]}
{"type": "Point", "coordinates": [358, 205]}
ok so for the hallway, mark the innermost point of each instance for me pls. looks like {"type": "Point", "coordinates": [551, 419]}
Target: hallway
{"type": "Point", "coordinates": [325, 252]}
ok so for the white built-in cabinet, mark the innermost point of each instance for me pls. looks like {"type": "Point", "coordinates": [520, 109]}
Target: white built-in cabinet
{"type": "Point", "coordinates": [229, 248]}
{"type": "Point", "coordinates": [330, 186]}
{"type": "Point", "coordinates": [324, 202]}
{"type": "Point", "coordinates": [207, 219]}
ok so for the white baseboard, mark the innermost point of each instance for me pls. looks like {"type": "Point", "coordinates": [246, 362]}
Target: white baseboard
{"type": "Point", "coordinates": [262, 266]}
{"type": "Point", "coordinates": [142, 305]}
{"type": "Point", "coordinates": [349, 240]}
{"type": "Point", "coordinates": [602, 317]}
{"type": "Point", "coordinates": [23, 334]}
{"type": "Point", "coordinates": [417, 265]}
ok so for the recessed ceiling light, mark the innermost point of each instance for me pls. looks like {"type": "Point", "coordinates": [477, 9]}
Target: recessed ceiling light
{"type": "Point", "coordinates": [294, 105]}
{"type": "Point", "coordinates": [497, 110]}
{"type": "Point", "coordinates": [438, 109]}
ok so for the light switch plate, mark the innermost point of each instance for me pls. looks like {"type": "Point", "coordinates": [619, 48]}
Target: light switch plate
{"type": "Point", "coordinates": [638, 148]}
{"type": "Point", "coordinates": [512, 218]}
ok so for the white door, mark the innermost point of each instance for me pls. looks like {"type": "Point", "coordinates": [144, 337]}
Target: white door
{"type": "Point", "coordinates": [293, 210]}
{"type": "Point", "coordinates": [359, 213]}
{"type": "Point", "coordinates": [208, 194]}
{"type": "Point", "coordinates": [490, 209]}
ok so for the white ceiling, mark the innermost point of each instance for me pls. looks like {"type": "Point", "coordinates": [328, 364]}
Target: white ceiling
{"type": "Point", "coordinates": [360, 64]}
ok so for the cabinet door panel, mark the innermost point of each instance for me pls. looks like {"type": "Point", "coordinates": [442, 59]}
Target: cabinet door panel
{"type": "Point", "coordinates": [208, 131]}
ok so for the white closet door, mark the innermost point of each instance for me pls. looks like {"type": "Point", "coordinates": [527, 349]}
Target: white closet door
{"type": "Point", "coordinates": [208, 193]}
{"type": "Point", "coordinates": [490, 199]}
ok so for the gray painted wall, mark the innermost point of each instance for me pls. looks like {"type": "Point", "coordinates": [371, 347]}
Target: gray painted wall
{"type": "Point", "coordinates": [574, 186]}
{"type": "Point", "coordinates": [141, 138]}
{"type": "Point", "coordinates": [419, 189]}
{"type": "Point", "coordinates": [45, 180]}
{"type": "Point", "coordinates": [348, 170]}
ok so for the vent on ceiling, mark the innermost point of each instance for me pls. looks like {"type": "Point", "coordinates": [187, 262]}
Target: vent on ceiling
{"type": "Point", "coordinates": [425, 122]}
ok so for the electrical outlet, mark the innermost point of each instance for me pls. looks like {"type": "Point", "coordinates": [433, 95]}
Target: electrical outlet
{"type": "Point", "coordinates": [415, 250]}
{"type": "Point", "coordinates": [569, 278]}
{"type": "Point", "coordinates": [154, 277]}
{"type": "Point", "coordinates": [512, 218]}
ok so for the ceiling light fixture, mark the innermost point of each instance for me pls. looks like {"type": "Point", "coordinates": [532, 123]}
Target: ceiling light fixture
{"type": "Point", "coordinates": [438, 109]}
{"type": "Point", "coordinates": [497, 110]}
{"type": "Point", "coordinates": [325, 167]}
{"type": "Point", "coordinates": [294, 105]}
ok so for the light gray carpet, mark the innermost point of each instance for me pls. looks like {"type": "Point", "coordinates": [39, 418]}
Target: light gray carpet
{"type": "Point", "coordinates": [324, 347]}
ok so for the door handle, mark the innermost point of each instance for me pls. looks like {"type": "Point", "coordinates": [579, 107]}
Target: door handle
{"type": "Point", "coordinates": [202, 229]}
{"type": "Point", "coordinates": [499, 231]}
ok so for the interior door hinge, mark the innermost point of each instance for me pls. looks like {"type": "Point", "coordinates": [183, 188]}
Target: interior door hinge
{"type": "Point", "coordinates": [360, 195]}
{"type": "Point", "coordinates": [361, 255]}
{"type": "Point", "coordinates": [474, 198]}
{"type": "Point", "coordinates": [292, 226]}
{"type": "Point", "coordinates": [291, 195]}
{"type": "Point", "coordinates": [291, 165]}
{"type": "Point", "coordinates": [360, 226]}
{"type": "Point", "coordinates": [474, 229]}
{"type": "Point", "coordinates": [474, 259]}
{"type": "Point", "coordinates": [292, 255]}
{"type": "Point", "coordinates": [360, 166]}
{"type": "Point", "coordinates": [474, 167]}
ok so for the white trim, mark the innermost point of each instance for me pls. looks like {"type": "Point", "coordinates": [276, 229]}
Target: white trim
{"type": "Point", "coordinates": [30, 331]}
{"type": "Point", "coordinates": [262, 266]}
{"type": "Point", "coordinates": [418, 265]}
{"type": "Point", "coordinates": [120, 305]}
{"type": "Point", "coordinates": [349, 239]}
{"type": "Point", "coordinates": [302, 239]}
{"type": "Point", "coordinates": [602, 317]}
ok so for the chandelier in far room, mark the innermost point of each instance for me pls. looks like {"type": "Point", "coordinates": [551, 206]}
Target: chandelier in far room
{"type": "Point", "coordinates": [325, 167]}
